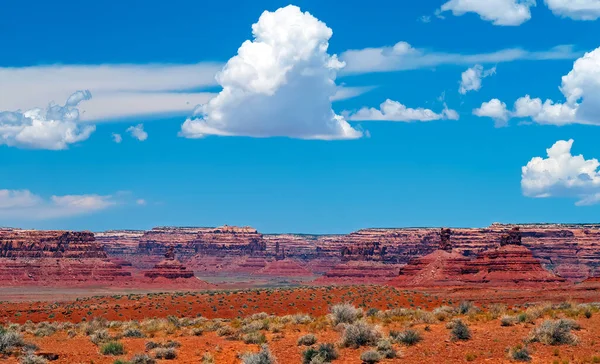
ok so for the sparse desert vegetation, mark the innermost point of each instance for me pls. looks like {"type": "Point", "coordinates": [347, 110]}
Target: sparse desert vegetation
{"type": "Point", "coordinates": [343, 332]}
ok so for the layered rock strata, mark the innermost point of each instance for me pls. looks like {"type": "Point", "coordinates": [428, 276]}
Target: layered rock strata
{"type": "Point", "coordinates": [55, 258]}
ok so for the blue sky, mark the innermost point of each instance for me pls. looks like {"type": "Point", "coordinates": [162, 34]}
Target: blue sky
{"type": "Point", "coordinates": [151, 63]}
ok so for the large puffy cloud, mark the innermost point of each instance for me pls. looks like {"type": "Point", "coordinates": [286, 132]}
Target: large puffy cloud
{"type": "Point", "coordinates": [499, 12]}
{"type": "Point", "coordinates": [403, 56]}
{"type": "Point", "coordinates": [391, 110]}
{"type": "Point", "coordinates": [562, 174]}
{"type": "Point", "coordinates": [279, 84]}
{"type": "Point", "coordinates": [23, 204]}
{"type": "Point", "coordinates": [471, 78]}
{"type": "Point", "coordinates": [54, 127]}
{"type": "Point", "coordinates": [581, 89]}
{"type": "Point", "coordinates": [575, 9]}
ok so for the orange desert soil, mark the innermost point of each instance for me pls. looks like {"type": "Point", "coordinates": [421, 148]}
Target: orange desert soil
{"type": "Point", "coordinates": [215, 304]}
{"type": "Point", "coordinates": [488, 344]}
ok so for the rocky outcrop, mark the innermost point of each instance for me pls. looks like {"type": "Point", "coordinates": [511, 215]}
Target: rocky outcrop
{"type": "Point", "coordinates": [509, 264]}
{"type": "Point", "coordinates": [506, 265]}
{"type": "Point", "coordinates": [570, 251]}
{"type": "Point", "coordinates": [16, 243]}
{"type": "Point", "coordinates": [440, 268]}
{"type": "Point", "coordinates": [169, 268]}
{"type": "Point", "coordinates": [55, 258]}
{"type": "Point", "coordinates": [512, 237]}
{"type": "Point", "coordinates": [445, 243]}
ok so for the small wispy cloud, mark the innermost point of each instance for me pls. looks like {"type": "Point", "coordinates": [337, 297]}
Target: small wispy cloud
{"type": "Point", "coordinates": [137, 132]}
{"type": "Point", "coordinates": [25, 205]}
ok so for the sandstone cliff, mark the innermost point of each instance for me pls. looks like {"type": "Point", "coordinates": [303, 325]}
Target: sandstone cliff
{"type": "Point", "coordinates": [570, 251]}
{"type": "Point", "coordinates": [59, 258]}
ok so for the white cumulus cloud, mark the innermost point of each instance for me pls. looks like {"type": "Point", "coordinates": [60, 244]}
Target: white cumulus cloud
{"type": "Point", "coordinates": [471, 78]}
{"type": "Point", "coordinates": [137, 132]}
{"type": "Point", "coordinates": [391, 110]}
{"type": "Point", "coordinates": [499, 12]}
{"type": "Point", "coordinates": [54, 127]}
{"type": "Point", "coordinates": [562, 174]}
{"type": "Point", "coordinates": [117, 138]}
{"type": "Point", "coordinates": [279, 84]}
{"type": "Point", "coordinates": [403, 56]}
{"type": "Point", "coordinates": [581, 89]}
{"type": "Point", "coordinates": [494, 109]}
{"type": "Point", "coordinates": [575, 9]}
{"type": "Point", "coordinates": [25, 205]}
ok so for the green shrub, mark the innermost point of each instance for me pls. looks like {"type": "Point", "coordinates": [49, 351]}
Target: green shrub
{"type": "Point", "coordinates": [508, 320]}
{"type": "Point", "coordinates": [360, 334]}
{"type": "Point", "coordinates": [100, 336]}
{"type": "Point", "coordinates": [142, 359]}
{"type": "Point", "coordinates": [370, 357]}
{"type": "Point", "coordinates": [226, 331]}
{"type": "Point", "coordinates": [255, 338]}
{"type": "Point", "coordinates": [459, 330]}
{"type": "Point", "coordinates": [112, 348]}
{"type": "Point", "coordinates": [554, 332]}
{"type": "Point", "coordinates": [262, 357]}
{"type": "Point", "coordinates": [372, 312]}
{"type": "Point", "coordinates": [165, 353]}
{"type": "Point", "coordinates": [385, 348]}
{"type": "Point", "coordinates": [408, 337]}
{"type": "Point", "coordinates": [465, 307]}
{"type": "Point", "coordinates": [10, 340]}
{"type": "Point", "coordinates": [324, 353]}
{"type": "Point", "coordinates": [307, 340]}
{"type": "Point", "coordinates": [207, 358]}
{"type": "Point", "coordinates": [133, 333]}
{"type": "Point", "coordinates": [31, 358]}
{"type": "Point", "coordinates": [519, 353]}
{"type": "Point", "coordinates": [344, 313]}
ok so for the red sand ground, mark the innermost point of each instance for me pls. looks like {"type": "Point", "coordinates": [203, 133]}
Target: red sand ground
{"type": "Point", "coordinates": [488, 344]}
{"type": "Point", "coordinates": [218, 304]}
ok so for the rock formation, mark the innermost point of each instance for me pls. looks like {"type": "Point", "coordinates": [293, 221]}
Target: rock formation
{"type": "Point", "coordinates": [570, 251]}
{"type": "Point", "coordinates": [55, 258]}
{"type": "Point", "coordinates": [169, 268]}
{"type": "Point", "coordinates": [512, 237]}
{"type": "Point", "coordinates": [445, 243]}
{"type": "Point", "coordinates": [510, 264]}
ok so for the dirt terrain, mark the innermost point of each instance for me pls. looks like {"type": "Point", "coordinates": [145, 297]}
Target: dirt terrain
{"type": "Point", "coordinates": [226, 324]}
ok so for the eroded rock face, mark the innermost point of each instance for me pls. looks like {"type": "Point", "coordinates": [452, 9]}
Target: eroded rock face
{"type": "Point", "coordinates": [169, 268]}
{"type": "Point", "coordinates": [510, 264]}
{"type": "Point", "coordinates": [16, 243]}
{"type": "Point", "coordinates": [54, 258]}
{"type": "Point", "coordinates": [512, 237]}
{"type": "Point", "coordinates": [445, 243]}
{"type": "Point", "coordinates": [440, 268]}
{"type": "Point", "coordinates": [502, 266]}
{"type": "Point", "coordinates": [570, 251]}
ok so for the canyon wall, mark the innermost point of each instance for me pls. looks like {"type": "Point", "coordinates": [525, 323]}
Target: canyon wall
{"type": "Point", "coordinates": [55, 258]}
{"type": "Point", "coordinates": [570, 251]}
